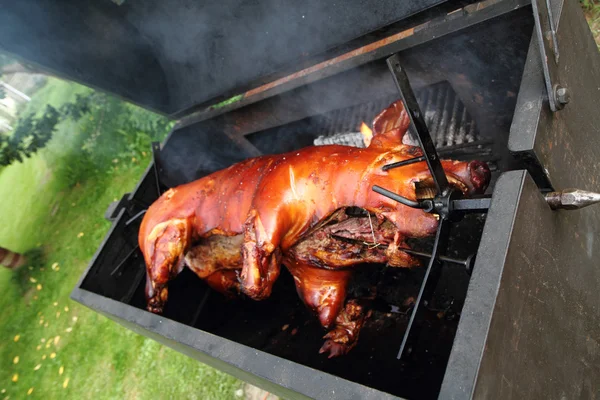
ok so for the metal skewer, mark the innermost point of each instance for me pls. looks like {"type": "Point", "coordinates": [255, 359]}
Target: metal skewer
{"type": "Point", "coordinates": [571, 199]}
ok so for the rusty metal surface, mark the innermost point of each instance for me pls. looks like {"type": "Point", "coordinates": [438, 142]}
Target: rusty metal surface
{"type": "Point", "coordinates": [565, 144]}
{"type": "Point", "coordinates": [529, 327]}
{"type": "Point", "coordinates": [543, 339]}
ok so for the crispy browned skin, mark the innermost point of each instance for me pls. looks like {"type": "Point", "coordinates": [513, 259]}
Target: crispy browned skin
{"type": "Point", "coordinates": [290, 209]}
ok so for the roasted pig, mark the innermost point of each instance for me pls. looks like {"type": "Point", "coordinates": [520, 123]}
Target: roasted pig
{"type": "Point", "coordinates": [236, 227]}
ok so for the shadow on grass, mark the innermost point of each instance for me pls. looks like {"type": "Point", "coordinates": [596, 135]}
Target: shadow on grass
{"type": "Point", "coordinates": [35, 259]}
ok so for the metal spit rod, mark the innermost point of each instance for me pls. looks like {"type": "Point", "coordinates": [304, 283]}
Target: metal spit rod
{"type": "Point", "coordinates": [571, 199]}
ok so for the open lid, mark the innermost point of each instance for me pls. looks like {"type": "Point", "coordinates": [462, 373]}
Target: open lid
{"type": "Point", "coordinates": [175, 56]}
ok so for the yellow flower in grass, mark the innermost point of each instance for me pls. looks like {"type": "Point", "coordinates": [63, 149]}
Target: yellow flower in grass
{"type": "Point", "coordinates": [37, 367]}
{"type": "Point", "coordinates": [16, 360]}
{"type": "Point", "coordinates": [52, 355]}
{"type": "Point", "coordinates": [61, 370]}
{"type": "Point", "coordinates": [66, 383]}
{"type": "Point", "coordinates": [15, 377]}
{"type": "Point", "coordinates": [18, 336]}
{"type": "Point", "coordinates": [29, 391]}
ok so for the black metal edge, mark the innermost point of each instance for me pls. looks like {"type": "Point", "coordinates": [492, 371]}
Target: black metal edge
{"type": "Point", "coordinates": [113, 208]}
{"type": "Point", "coordinates": [277, 375]}
{"type": "Point", "coordinates": [530, 100]}
{"type": "Point", "coordinates": [453, 22]}
{"type": "Point", "coordinates": [115, 222]}
{"type": "Point", "coordinates": [545, 22]}
{"type": "Point", "coordinates": [469, 343]}
{"type": "Point", "coordinates": [526, 121]}
{"type": "Point", "coordinates": [417, 121]}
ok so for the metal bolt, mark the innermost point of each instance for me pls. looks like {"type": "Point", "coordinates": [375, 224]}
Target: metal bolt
{"type": "Point", "coordinates": [562, 95]}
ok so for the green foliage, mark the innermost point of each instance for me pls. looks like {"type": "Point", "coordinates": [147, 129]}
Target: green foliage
{"type": "Point", "coordinates": [108, 131]}
{"type": "Point", "coordinates": [110, 134]}
{"type": "Point", "coordinates": [33, 131]}
{"type": "Point", "coordinates": [31, 134]}
{"type": "Point", "coordinates": [590, 5]}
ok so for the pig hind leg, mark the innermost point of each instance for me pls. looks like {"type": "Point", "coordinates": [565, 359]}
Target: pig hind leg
{"type": "Point", "coordinates": [324, 291]}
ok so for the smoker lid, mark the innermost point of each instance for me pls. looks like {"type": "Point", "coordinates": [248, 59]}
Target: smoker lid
{"type": "Point", "coordinates": [170, 56]}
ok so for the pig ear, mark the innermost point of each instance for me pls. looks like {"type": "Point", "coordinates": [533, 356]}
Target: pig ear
{"type": "Point", "coordinates": [390, 126]}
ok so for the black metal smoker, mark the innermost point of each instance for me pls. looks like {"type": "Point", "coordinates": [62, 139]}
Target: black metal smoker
{"type": "Point", "coordinates": [528, 311]}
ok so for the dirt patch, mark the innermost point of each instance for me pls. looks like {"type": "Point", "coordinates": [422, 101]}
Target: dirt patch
{"type": "Point", "coordinates": [255, 393]}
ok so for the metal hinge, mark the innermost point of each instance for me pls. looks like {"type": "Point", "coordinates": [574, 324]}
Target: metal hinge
{"type": "Point", "coordinates": [546, 25]}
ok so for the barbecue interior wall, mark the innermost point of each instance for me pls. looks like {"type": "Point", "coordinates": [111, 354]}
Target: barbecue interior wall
{"type": "Point", "coordinates": [482, 65]}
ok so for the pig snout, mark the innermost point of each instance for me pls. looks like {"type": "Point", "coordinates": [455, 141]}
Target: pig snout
{"type": "Point", "coordinates": [479, 175]}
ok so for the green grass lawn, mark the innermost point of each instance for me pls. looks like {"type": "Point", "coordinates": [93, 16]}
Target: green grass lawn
{"type": "Point", "coordinates": [48, 343]}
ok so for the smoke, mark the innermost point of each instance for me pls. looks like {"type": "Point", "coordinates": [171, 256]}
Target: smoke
{"type": "Point", "coordinates": [210, 49]}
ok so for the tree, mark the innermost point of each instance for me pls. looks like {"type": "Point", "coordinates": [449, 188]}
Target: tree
{"type": "Point", "coordinates": [10, 259]}
{"type": "Point", "coordinates": [34, 132]}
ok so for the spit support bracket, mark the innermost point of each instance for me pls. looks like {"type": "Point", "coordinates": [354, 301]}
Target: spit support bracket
{"type": "Point", "coordinates": [546, 21]}
{"type": "Point", "coordinates": [446, 203]}
{"type": "Point", "coordinates": [430, 281]}
{"type": "Point", "coordinates": [418, 121]}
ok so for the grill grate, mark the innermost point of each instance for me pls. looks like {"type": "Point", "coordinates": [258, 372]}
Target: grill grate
{"type": "Point", "coordinates": [445, 114]}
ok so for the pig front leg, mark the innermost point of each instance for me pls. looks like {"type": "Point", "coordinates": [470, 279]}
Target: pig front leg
{"type": "Point", "coordinates": [164, 251]}
{"type": "Point", "coordinates": [260, 260]}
